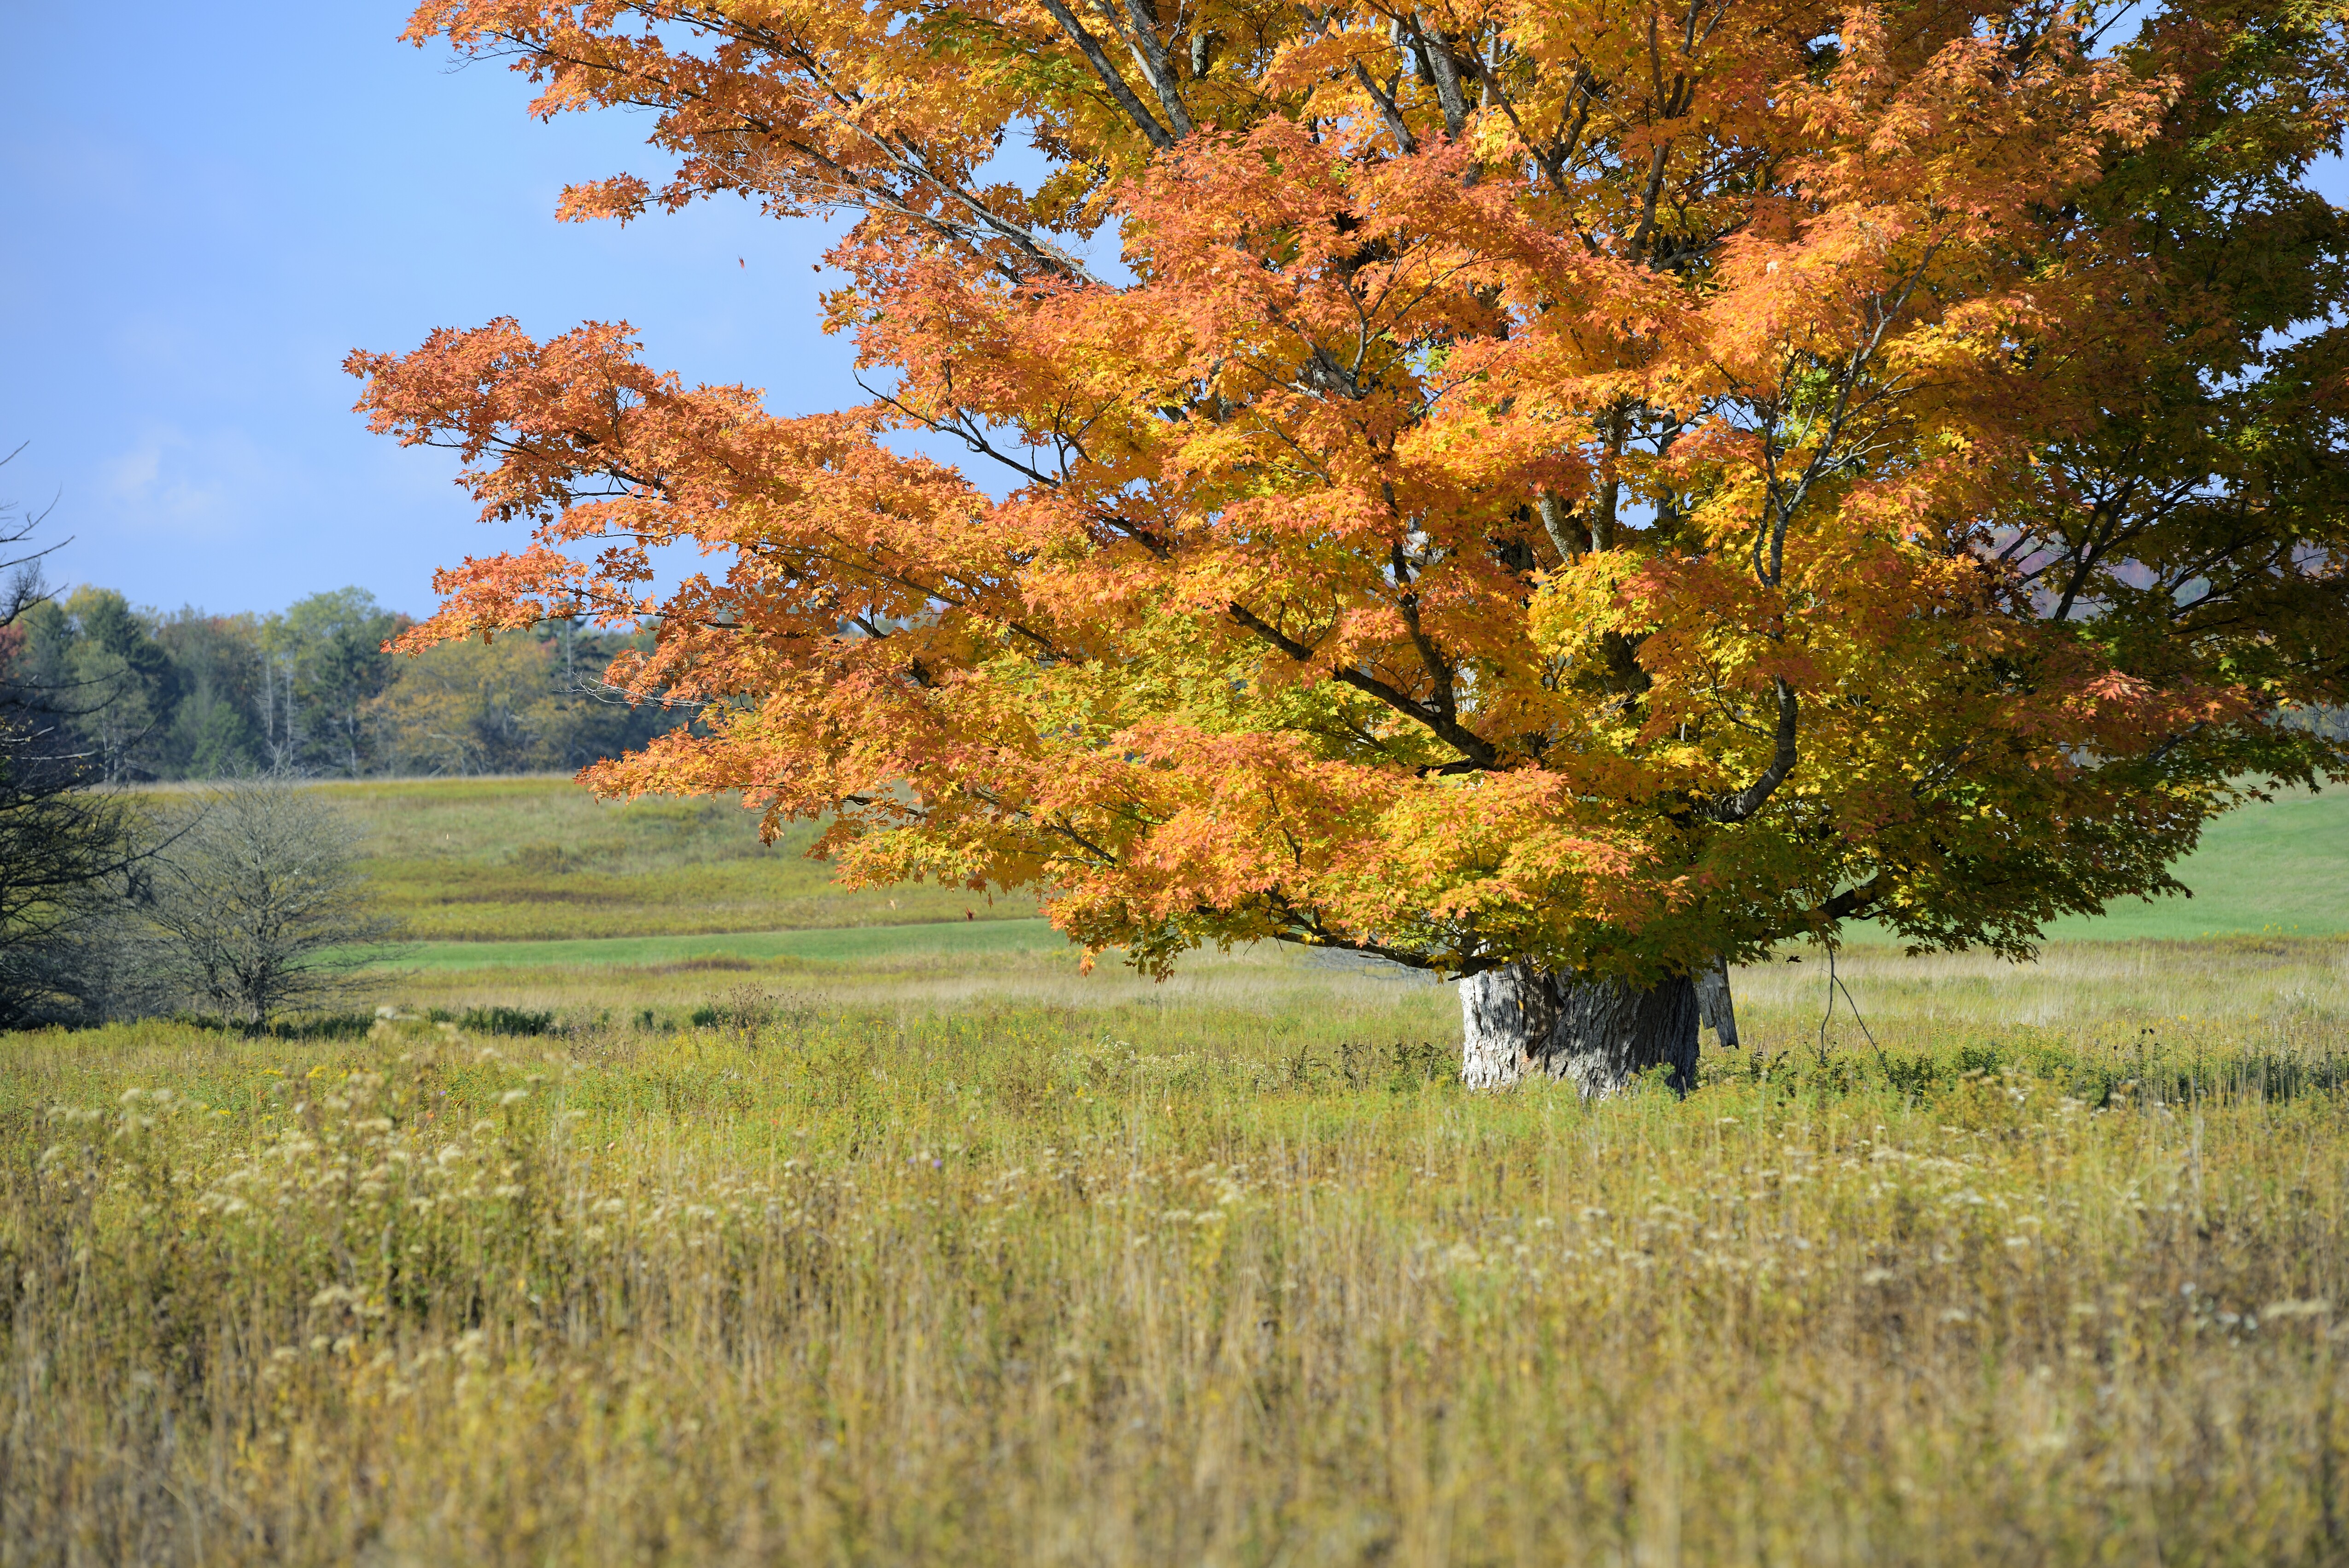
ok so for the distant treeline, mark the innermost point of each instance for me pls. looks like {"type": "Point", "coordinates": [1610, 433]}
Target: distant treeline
{"type": "Point", "coordinates": [143, 694]}
{"type": "Point", "coordinates": [138, 694]}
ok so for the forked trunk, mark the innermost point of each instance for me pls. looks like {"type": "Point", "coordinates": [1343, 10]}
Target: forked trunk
{"type": "Point", "coordinates": [1598, 1034]}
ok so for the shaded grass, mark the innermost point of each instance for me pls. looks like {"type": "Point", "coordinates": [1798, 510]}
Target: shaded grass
{"type": "Point", "coordinates": [964, 1257]}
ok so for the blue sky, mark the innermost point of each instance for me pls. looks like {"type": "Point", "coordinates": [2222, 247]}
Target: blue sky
{"type": "Point", "coordinates": [203, 218]}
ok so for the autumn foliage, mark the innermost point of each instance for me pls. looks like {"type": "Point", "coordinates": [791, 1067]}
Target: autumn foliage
{"type": "Point", "coordinates": [1596, 482]}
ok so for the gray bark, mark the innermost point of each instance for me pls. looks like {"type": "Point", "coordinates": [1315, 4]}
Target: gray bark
{"type": "Point", "coordinates": [1506, 1015]}
{"type": "Point", "coordinates": [1518, 1021]}
{"type": "Point", "coordinates": [1714, 1008]}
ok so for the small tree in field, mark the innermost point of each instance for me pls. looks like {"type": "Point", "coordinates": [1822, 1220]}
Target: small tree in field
{"type": "Point", "coordinates": [1555, 494]}
{"type": "Point", "coordinates": [259, 906]}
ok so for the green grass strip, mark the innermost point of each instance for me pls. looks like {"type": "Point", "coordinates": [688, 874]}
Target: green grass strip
{"type": "Point", "coordinates": [2276, 869]}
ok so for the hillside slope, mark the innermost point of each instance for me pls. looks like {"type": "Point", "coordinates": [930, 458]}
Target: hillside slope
{"type": "Point", "coordinates": [2281, 867]}
{"type": "Point", "coordinates": [541, 859]}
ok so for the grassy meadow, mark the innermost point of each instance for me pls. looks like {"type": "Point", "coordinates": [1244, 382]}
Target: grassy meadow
{"type": "Point", "coordinates": [541, 859]}
{"type": "Point", "coordinates": [909, 1243]}
{"type": "Point", "coordinates": [2278, 867]}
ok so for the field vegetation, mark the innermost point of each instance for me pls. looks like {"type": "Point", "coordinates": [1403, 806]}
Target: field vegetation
{"type": "Point", "coordinates": [2276, 867]}
{"type": "Point", "coordinates": [540, 858]}
{"type": "Point", "coordinates": [540, 861]}
{"type": "Point", "coordinates": [968, 1258]}
{"type": "Point", "coordinates": [893, 1237]}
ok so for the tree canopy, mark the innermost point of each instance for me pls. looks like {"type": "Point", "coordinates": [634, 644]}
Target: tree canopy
{"type": "Point", "coordinates": [1595, 484]}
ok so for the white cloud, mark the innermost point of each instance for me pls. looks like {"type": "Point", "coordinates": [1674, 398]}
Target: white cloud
{"type": "Point", "coordinates": [170, 484]}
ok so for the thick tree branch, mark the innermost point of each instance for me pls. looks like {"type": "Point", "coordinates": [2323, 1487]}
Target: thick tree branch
{"type": "Point", "coordinates": [1852, 900]}
{"type": "Point", "coordinates": [1434, 52]}
{"type": "Point", "coordinates": [1405, 143]}
{"type": "Point", "coordinates": [1141, 30]}
{"type": "Point", "coordinates": [1743, 804]}
{"type": "Point", "coordinates": [1472, 746]}
{"type": "Point", "coordinates": [1556, 523]}
{"type": "Point", "coordinates": [1157, 134]}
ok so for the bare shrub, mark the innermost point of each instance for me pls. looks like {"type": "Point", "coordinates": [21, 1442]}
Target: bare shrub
{"type": "Point", "coordinates": [258, 903]}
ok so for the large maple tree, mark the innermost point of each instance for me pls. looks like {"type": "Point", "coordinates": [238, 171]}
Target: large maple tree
{"type": "Point", "coordinates": [1554, 491]}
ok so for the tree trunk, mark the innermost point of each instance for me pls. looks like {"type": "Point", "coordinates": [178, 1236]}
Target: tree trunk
{"type": "Point", "coordinates": [1506, 1017]}
{"type": "Point", "coordinates": [1714, 1008]}
{"type": "Point", "coordinates": [1598, 1034]}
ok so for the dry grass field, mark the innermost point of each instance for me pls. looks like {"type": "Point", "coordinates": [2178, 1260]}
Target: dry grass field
{"type": "Point", "coordinates": [506, 859]}
{"type": "Point", "coordinates": [964, 1257]}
